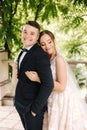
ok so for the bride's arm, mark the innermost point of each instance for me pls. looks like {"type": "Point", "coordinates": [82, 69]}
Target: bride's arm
{"type": "Point", "coordinates": [33, 76]}
{"type": "Point", "coordinates": [61, 74]}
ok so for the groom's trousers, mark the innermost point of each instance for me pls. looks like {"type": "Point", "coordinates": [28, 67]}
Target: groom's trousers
{"type": "Point", "coordinates": [30, 122]}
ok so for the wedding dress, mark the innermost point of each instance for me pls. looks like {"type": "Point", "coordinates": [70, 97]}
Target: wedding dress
{"type": "Point", "coordinates": [66, 110]}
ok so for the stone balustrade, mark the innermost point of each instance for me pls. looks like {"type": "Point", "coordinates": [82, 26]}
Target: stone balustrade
{"type": "Point", "coordinates": [7, 84]}
{"type": "Point", "coordinates": [73, 64]}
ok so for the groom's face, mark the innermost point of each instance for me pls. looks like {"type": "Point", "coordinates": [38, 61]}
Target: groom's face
{"type": "Point", "coordinates": [29, 35]}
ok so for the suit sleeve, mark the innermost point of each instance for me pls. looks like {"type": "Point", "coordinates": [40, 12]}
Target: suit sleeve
{"type": "Point", "coordinates": [45, 74]}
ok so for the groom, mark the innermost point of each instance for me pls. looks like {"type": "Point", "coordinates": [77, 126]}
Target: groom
{"type": "Point", "coordinates": [31, 97]}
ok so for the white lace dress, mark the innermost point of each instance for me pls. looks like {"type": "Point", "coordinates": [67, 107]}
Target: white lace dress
{"type": "Point", "coordinates": [66, 111]}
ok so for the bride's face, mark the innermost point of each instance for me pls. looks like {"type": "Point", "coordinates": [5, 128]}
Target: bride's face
{"type": "Point", "coordinates": [47, 44]}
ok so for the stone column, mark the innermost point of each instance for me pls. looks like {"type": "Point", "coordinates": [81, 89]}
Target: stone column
{"type": "Point", "coordinates": [3, 66]}
{"type": "Point", "coordinates": [4, 75]}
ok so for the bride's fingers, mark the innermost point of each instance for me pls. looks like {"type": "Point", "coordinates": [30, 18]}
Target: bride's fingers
{"type": "Point", "coordinates": [27, 73]}
{"type": "Point", "coordinates": [30, 72]}
{"type": "Point", "coordinates": [30, 75]}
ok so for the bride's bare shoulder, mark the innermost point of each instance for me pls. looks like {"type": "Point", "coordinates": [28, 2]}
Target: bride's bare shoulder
{"type": "Point", "coordinates": [60, 58]}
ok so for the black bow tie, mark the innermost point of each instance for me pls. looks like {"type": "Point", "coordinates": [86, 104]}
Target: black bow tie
{"type": "Point", "coordinates": [24, 50]}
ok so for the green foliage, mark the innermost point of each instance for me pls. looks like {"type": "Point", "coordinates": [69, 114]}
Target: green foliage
{"type": "Point", "coordinates": [14, 13]}
{"type": "Point", "coordinates": [50, 11]}
{"type": "Point", "coordinates": [80, 74]}
{"type": "Point", "coordinates": [80, 2]}
{"type": "Point", "coordinates": [63, 8]}
{"type": "Point", "coordinates": [65, 17]}
{"type": "Point", "coordinates": [77, 21]}
{"type": "Point", "coordinates": [8, 11]}
{"type": "Point", "coordinates": [74, 47]}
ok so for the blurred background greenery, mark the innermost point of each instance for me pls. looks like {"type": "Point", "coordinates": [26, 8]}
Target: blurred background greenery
{"type": "Point", "coordinates": [67, 19]}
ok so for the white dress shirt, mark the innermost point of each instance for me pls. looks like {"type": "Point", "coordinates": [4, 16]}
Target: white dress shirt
{"type": "Point", "coordinates": [23, 54]}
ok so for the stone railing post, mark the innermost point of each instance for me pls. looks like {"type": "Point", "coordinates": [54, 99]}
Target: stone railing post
{"type": "Point", "coordinates": [14, 77]}
{"type": "Point", "coordinates": [4, 75]}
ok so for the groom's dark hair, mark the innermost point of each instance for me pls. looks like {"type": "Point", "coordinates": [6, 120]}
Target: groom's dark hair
{"type": "Point", "coordinates": [34, 24]}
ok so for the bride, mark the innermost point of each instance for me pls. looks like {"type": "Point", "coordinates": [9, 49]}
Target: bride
{"type": "Point", "coordinates": [66, 109]}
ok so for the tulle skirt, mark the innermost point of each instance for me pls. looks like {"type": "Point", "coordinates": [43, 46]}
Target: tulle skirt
{"type": "Point", "coordinates": [66, 111]}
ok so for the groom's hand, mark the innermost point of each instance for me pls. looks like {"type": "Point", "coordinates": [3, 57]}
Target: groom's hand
{"type": "Point", "coordinates": [34, 114]}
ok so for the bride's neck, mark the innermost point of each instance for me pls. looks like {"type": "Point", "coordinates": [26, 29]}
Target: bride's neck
{"type": "Point", "coordinates": [53, 55]}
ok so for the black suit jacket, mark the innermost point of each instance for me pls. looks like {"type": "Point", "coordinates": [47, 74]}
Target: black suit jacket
{"type": "Point", "coordinates": [29, 94]}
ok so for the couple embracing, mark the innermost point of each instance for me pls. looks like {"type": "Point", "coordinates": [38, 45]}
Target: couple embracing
{"type": "Point", "coordinates": [45, 98]}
